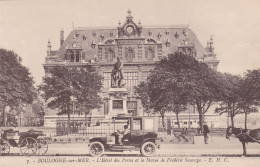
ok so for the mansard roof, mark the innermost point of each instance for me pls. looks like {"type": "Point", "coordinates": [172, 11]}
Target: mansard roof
{"type": "Point", "coordinates": [177, 36]}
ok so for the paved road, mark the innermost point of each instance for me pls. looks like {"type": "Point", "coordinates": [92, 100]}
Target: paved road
{"type": "Point", "coordinates": [219, 152]}
{"type": "Point", "coordinates": [216, 147]}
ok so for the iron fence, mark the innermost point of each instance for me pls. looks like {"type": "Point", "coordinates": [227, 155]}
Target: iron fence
{"type": "Point", "coordinates": [97, 127]}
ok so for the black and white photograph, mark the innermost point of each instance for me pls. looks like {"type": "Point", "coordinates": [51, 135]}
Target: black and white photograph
{"type": "Point", "coordinates": [115, 83]}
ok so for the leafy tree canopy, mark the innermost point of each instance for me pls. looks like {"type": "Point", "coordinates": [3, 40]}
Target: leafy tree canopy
{"type": "Point", "coordinates": [250, 93]}
{"type": "Point", "coordinates": [64, 86]}
{"type": "Point", "coordinates": [179, 80]}
{"type": "Point", "coordinates": [16, 82]}
{"type": "Point", "coordinates": [230, 96]}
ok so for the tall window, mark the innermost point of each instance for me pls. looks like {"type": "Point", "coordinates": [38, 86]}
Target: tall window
{"type": "Point", "coordinates": [150, 54]}
{"type": "Point", "coordinates": [130, 54]}
{"type": "Point", "coordinates": [77, 56]}
{"type": "Point", "coordinates": [145, 75]}
{"type": "Point", "coordinates": [132, 107]}
{"type": "Point", "coordinates": [131, 80]}
{"type": "Point", "coordinates": [73, 55]}
{"type": "Point", "coordinates": [107, 80]}
{"type": "Point", "coordinates": [111, 55]}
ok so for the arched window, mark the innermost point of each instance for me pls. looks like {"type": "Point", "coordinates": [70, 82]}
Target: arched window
{"type": "Point", "coordinates": [130, 54]}
{"type": "Point", "coordinates": [111, 55]}
{"type": "Point", "coordinates": [150, 54]}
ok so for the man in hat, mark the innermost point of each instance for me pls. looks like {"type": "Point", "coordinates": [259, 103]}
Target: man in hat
{"type": "Point", "coordinates": [117, 72]}
{"type": "Point", "coordinates": [205, 132]}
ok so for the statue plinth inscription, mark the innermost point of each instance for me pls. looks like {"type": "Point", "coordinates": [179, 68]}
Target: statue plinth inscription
{"type": "Point", "coordinates": [117, 101]}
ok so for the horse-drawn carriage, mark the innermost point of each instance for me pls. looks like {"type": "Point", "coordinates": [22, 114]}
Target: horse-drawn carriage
{"type": "Point", "coordinates": [28, 142]}
{"type": "Point", "coordinates": [244, 136]}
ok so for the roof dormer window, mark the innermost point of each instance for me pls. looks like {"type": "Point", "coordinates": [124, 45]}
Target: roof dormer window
{"type": "Point", "coordinates": [111, 34]}
{"type": "Point", "coordinates": [94, 34]}
{"type": "Point", "coordinates": [149, 32]}
{"type": "Point", "coordinates": [185, 32]}
{"type": "Point", "coordinates": [176, 35]}
{"type": "Point", "coordinates": [84, 37]}
{"type": "Point", "coordinates": [159, 35]}
{"type": "Point", "coordinates": [76, 35]}
{"type": "Point", "coordinates": [102, 36]}
{"type": "Point", "coordinates": [93, 44]}
{"type": "Point", "coordinates": [73, 55]}
{"type": "Point", "coordinates": [167, 32]}
{"type": "Point", "coordinates": [168, 43]}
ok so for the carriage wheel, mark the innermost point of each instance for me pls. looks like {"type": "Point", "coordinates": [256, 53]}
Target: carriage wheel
{"type": "Point", "coordinates": [42, 147]}
{"type": "Point", "coordinates": [4, 147]}
{"type": "Point", "coordinates": [28, 146]}
{"type": "Point", "coordinates": [148, 149]}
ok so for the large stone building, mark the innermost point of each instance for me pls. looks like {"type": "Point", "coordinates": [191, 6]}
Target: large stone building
{"type": "Point", "coordinates": [138, 46]}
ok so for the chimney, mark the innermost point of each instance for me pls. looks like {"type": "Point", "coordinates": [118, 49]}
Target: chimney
{"type": "Point", "coordinates": [49, 48]}
{"type": "Point", "coordinates": [61, 37]}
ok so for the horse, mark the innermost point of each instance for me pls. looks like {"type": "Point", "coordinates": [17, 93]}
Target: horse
{"type": "Point", "coordinates": [244, 136]}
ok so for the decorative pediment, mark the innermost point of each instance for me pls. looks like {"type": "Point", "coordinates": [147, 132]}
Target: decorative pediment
{"type": "Point", "coordinates": [150, 40]}
{"type": "Point", "coordinates": [74, 45]}
{"type": "Point", "coordinates": [110, 42]}
{"type": "Point", "coordinates": [129, 28]}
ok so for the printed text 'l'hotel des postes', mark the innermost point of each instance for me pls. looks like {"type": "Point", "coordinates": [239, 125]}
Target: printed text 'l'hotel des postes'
{"type": "Point", "coordinates": [138, 46]}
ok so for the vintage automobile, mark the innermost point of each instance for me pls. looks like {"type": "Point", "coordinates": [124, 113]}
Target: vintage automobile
{"type": "Point", "coordinates": [142, 136]}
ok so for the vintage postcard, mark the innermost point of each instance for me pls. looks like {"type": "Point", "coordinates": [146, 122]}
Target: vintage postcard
{"type": "Point", "coordinates": [129, 83]}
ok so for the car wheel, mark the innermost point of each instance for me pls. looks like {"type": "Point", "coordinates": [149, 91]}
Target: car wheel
{"type": "Point", "coordinates": [96, 149]}
{"type": "Point", "coordinates": [148, 149]}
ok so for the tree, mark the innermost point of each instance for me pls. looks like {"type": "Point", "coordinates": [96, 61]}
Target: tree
{"type": "Point", "coordinates": [143, 93]}
{"type": "Point", "coordinates": [177, 108]}
{"type": "Point", "coordinates": [206, 88]}
{"type": "Point", "coordinates": [16, 82]}
{"type": "Point", "coordinates": [250, 93]}
{"type": "Point", "coordinates": [71, 89]}
{"type": "Point", "coordinates": [230, 100]}
{"type": "Point", "coordinates": [179, 80]}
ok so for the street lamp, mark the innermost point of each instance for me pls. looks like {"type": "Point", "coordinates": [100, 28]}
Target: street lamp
{"type": "Point", "coordinates": [73, 99]}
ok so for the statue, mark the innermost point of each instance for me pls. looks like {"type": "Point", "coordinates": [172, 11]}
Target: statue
{"type": "Point", "coordinates": [117, 74]}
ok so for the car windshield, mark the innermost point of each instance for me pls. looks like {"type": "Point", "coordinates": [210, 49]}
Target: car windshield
{"type": "Point", "coordinates": [119, 124]}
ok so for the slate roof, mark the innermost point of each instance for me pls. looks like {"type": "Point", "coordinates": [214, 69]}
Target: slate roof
{"type": "Point", "coordinates": [176, 35]}
{"type": "Point", "coordinates": [167, 33]}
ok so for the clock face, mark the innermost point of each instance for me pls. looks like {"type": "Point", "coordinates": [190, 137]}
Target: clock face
{"type": "Point", "coordinates": [129, 29]}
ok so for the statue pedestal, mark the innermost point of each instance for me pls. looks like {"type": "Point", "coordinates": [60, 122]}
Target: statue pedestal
{"type": "Point", "coordinates": [117, 101]}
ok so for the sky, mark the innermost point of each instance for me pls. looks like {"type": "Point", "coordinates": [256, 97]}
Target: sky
{"type": "Point", "coordinates": [27, 25]}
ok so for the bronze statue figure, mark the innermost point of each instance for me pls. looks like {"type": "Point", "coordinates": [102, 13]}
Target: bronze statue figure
{"type": "Point", "coordinates": [117, 74]}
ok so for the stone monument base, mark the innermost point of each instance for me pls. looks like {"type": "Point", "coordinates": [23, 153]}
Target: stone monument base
{"type": "Point", "coordinates": [117, 101]}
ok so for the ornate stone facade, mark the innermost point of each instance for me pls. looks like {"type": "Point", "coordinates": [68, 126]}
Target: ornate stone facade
{"type": "Point", "coordinates": [139, 47]}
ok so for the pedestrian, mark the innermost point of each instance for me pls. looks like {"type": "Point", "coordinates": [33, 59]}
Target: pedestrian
{"type": "Point", "coordinates": [184, 134]}
{"type": "Point", "coordinates": [198, 131]}
{"type": "Point", "coordinates": [206, 132]}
